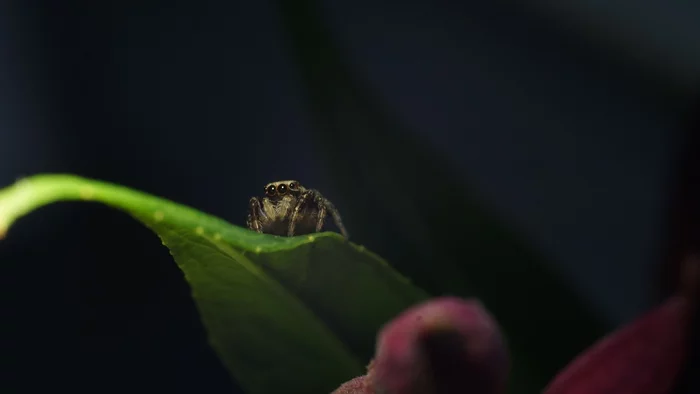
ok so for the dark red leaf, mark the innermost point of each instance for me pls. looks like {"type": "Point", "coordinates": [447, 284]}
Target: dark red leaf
{"type": "Point", "coordinates": [643, 357]}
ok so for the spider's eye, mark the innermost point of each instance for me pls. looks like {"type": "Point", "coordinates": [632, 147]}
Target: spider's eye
{"type": "Point", "coordinates": [293, 186]}
{"type": "Point", "coordinates": [282, 189]}
{"type": "Point", "coordinates": [270, 191]}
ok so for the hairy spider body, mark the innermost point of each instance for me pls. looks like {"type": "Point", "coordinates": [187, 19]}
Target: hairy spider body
{"type": "Point", "coordinates": [290, 209]}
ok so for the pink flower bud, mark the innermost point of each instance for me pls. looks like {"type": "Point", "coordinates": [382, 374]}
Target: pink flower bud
{"type": "Point", "coordinates": [445, 345]}
{"type": "Point", "coordinates": [355, 386]}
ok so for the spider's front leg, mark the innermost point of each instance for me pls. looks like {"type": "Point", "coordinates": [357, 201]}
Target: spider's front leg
{"type": "Point", "coordinates": [302, 202]}
{"type": "Point", "coordinates": [254, 213]}
{"type": "Point", "coordinates": [322, 205]}
{"type": "Point", "coordinates": [321, 218]}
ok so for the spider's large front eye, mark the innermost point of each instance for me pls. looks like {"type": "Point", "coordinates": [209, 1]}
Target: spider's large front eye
{"type": "Point", "coordinates": [282, 189]}
{"type": "Point", "coordinates": [270, 191]}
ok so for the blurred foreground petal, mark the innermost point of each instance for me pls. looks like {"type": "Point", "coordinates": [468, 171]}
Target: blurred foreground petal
{"type": "Point", "coordinates": [643, 357]}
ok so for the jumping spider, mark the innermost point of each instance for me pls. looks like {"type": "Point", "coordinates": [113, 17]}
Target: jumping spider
{"type": "Point", "coordinates": [289, 208]}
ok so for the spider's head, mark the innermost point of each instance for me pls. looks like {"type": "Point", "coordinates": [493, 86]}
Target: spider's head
{"type": "Point", "coordinates": [277, 190]}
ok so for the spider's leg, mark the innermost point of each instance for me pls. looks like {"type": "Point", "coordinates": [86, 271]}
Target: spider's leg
{"type": "Point", "coordinates": [302, 202]}
{"type": "Point", "coordinates": [336, 218]}
{"type": "Point", "coordinates": [322, 210]}
{"type": "Point", "coordinates": [253, 221]}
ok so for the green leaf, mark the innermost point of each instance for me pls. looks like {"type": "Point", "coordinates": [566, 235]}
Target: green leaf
{"type": "Point", "coordinates": [283, 314]}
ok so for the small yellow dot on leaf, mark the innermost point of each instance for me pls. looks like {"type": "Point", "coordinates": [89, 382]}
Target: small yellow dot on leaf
{"type": "Point", "coordinates": [199, 230]}
{"type": "Point", "coordinates": [311, 238]}
{"type": "Point", "coordinates": [158, 216]}
{"type": "Point", "coordinates": [258, 249]}
{"type": "Point", "coordinates": [87, 193]}
{"type": "Point", "coordinates": [217, 237]}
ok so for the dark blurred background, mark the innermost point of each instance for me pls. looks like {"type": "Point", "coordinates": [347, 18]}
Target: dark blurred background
{"type": "Point", "coordinates": [573, 124]}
